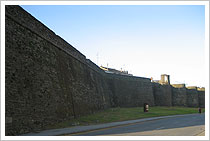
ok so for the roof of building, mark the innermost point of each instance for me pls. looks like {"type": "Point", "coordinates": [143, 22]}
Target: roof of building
{"type": "Point", "coordinates": [111, 70]}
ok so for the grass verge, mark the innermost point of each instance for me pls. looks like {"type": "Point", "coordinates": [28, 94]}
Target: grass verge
{"type": "Point", "coordinates": [122, 114]}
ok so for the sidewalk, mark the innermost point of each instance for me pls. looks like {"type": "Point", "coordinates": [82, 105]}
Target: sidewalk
{"type": "Point", "coordinates": [76, 129]}
{"type": "Point", "coordinates": [201, 134]}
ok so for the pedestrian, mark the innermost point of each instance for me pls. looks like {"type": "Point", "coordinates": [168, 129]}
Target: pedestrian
{"type": "Point", "coordinates": [199, 110]}
{"type": "Point", "coordinates": [146, 107]}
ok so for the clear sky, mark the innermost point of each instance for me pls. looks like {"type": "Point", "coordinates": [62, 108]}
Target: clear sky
{"type": "Point", "coordinates": [146, 40]}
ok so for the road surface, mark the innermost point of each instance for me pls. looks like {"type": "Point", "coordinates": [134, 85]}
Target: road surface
{"type": "Point", "coordinates": [187, 125]}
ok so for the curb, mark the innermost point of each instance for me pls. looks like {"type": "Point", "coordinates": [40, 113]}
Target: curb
{"type": "Point", "coordinates": [77, 129]}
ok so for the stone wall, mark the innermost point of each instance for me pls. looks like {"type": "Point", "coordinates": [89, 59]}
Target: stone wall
{"type": "Point", "coordinates": [47, 80]}
{"type": "Point", "coordinates": [192, 98]}
{"type": "Point", "coordinates": [130, 91]}
{"type": "Point", "coordinates": [179, 95]}
{"type": "Point", "coordinates": [162, 94]}
{"type": "Point", "coordinates": [201, 98]}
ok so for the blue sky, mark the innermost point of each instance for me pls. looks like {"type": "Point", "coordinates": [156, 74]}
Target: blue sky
{"type": "Point", "coordinates": [146, 40]}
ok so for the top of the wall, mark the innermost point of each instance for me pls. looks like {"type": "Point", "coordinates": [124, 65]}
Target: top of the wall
{"type": "Point", "coordinates": [127, 77]}
{"type": "Point", "coordinates": [192, 87]}
{"type": "Point", "coordinates": [178, 85]}
{"type": "Point", "coordinates": [201, 89]}
{"type": "Point", "coordinates": [159, 84]}
{"type": "Point", "coordinates": [25, 19]}
{"type": "Point", "coordinates": [195, 88]}
{"type": "Point", "coordinates": [94, 66]}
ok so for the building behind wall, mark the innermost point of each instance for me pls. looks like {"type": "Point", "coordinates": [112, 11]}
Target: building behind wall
{"type": "Point", "coordinates": [164, 79]}
{"type": "Point", "coordinates": [114, 71]}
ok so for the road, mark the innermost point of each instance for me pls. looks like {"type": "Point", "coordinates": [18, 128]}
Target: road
{"type": "Point", "coordinates": [187, 125]}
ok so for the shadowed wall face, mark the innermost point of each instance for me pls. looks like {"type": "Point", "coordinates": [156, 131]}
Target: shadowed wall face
{"type": "Point", "coordinates": [201, 98]}
{"type": "Point", "coordinates": [179, 96]}
{"type": "Point", "coordinates": [162, 94]}
{"type": "Point", "coordinates": [192, 98]}
{"type": "Point", "coordinates": [44, 84]}
{"type": "Point", "coordinates": [48, 81]}
{"type": "Point", "coordinates": [130, 92]}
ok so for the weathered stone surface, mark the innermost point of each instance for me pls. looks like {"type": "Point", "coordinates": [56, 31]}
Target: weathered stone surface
{"type": "Point", "coordinates": [129, 91]}
{"type": "Point", "coordinates": [44, 83]}
{"type": "Point", "coordinates": [179, 96]}
{"type": "Point", "coordinates": [192, 98]}
{"type": "Point", "coordinates": [162, 94]}
{"type": "Point", "coordinates": [8, 120]}
{"type": "Point", "coordinates": [201, 98]}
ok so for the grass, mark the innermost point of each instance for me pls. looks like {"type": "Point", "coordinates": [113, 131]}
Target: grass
{"type": "Point", "coordinates": [122, 114]}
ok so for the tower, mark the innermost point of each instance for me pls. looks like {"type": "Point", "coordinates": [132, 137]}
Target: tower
{"type": "Point", "coordinates": [165, 79]}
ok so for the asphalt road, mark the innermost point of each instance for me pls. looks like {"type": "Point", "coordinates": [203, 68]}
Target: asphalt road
{"type": "Point", "coordinates": [175, 126]}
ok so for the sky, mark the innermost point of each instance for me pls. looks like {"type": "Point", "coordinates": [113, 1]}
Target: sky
{"type": "Point", "coordinates": [145, 40]}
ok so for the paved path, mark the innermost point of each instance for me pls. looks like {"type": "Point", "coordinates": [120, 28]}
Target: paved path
{"type": "Point", "coordinates": [119, 128]}
{"type": "Point", "coordinates": [188, 125]}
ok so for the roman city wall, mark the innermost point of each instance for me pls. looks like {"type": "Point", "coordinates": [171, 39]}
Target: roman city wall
{"type": "Point", "coordinates": [48, 81]}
